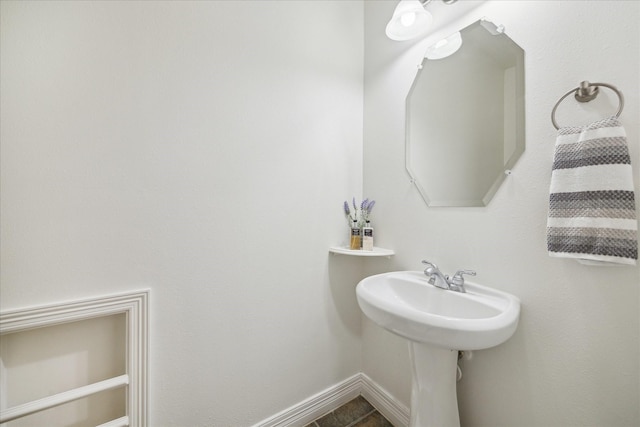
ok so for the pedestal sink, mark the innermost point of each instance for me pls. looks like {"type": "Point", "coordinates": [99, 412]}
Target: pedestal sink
{"type": "Point", "coordinates": [437, 323]}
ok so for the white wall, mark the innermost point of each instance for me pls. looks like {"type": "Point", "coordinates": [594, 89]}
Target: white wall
{"type": "Point", "coordinates": [151, 144]}
{"type": "Point", "coordinates": [574, 360]}
{"type": "Point", "coordinates": [202, 149]}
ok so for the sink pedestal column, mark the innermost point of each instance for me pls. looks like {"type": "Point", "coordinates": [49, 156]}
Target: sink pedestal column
{"type": "Point", "coordinates": [434, 402]}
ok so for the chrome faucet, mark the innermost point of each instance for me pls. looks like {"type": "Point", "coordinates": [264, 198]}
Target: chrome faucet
{"type": "Point", "coordinates": [436, 278]}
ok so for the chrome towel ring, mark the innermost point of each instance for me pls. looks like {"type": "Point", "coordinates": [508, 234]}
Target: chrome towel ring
{"type": "Point", "coordinates": [585, 93]}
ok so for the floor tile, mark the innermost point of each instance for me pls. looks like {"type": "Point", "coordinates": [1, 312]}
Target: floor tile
{"type": "Point", "coordinates": [346, 414]}
{"type": "Point", "coordinates": [355, 413]}
{"type": "Point", "coordinates": [375, 419]}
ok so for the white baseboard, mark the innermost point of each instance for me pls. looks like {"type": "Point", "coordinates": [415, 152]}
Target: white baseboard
{"type": "Point", "coordinates": [333, 397]}
{"type": "Point", "coordinates": [392, 409]}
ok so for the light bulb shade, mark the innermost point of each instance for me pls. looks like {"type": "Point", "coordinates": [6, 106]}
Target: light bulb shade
{"type": "Point", "coordinates": [409, 21]}
{"type": "Point", "coordinates": [444, 47]}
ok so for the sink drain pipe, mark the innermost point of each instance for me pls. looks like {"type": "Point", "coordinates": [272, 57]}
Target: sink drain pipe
{"type": "Point", "coordinates": [461, 355]}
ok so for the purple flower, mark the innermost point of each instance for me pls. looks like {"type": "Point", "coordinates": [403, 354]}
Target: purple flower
{"type": "Point", "coordinates": [360, 213]}
{"type": "Point", "coordinates": [347, 213]}
{"type": "Point", "coordinates": [370, 206]}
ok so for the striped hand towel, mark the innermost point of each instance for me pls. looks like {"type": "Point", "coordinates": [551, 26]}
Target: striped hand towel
{"type": "Point", "coordinates": [592, 215]}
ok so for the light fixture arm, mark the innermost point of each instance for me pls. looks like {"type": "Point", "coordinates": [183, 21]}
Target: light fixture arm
{"type": "Point", "coordinates": [410, 19]}
{"type": "Point", "coordinates": [426, 2]}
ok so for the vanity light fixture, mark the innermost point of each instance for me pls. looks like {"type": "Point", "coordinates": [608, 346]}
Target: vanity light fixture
{"type": "Point", "coordinates": [410, 19]}
{"type": "Point", "coordinates": [445, 47]}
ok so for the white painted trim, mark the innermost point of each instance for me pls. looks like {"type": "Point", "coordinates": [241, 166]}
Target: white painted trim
{"type": "Point", "coordinates": [392, 409]}
{"type": "Point", "coordinates": [120, 422]}
{"type": "Point", "coordinates": [333, 397]}
{"type": "Point", "coordinates": [3, 386]}
{"type": "Point", "coordinates": [62, 398]}
{"type": "Point", "coordinates": [316, 406]}
{"type": "Point", "coordinates": [135, 306]}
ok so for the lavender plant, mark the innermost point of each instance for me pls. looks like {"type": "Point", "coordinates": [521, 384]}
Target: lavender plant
{"type": "Point", "coordinates": [360, 212]}
{"type": "Point", "coordinates": [366, 209]}
{"type": "Point", "coordinates": [347, 212]}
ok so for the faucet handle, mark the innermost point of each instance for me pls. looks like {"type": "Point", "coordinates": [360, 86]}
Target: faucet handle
{"type": "Point", "coordinates": [457, 278]}
{"type": "Point", "coordinates": [429, 263]}
{"type": "Point", "coordinates": [431, 268]}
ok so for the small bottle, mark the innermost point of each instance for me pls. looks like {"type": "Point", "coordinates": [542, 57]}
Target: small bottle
{"type": "Point", "coordinates": [367, 237]}
{"type": "Point", "coordinates": [356, 240]}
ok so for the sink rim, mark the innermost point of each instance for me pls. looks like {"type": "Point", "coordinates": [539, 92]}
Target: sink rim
{"type": "Point", "coordinates": [388, 310]}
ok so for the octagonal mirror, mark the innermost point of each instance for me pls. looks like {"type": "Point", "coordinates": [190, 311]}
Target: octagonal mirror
{"type": "Point", "coordinates": [465, 116]}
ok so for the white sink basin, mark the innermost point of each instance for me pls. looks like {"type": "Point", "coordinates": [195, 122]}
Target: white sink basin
{"type": "Point", "coordinates": [406, 304]}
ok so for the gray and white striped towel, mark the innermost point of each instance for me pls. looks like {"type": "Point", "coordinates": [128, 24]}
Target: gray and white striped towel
{"type": "Point", "coordinates": [592, 210]}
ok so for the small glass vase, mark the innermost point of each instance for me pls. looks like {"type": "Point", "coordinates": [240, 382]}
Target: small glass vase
{"type": "Point", "coordinates": [355, 238]}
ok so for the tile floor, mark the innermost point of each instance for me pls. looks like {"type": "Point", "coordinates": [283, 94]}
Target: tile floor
{"type": "Point", "coordinates": [356, 413]}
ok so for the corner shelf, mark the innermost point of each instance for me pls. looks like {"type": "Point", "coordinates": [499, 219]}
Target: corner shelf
{"type": "Point", "coordinates": [376, 252]}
